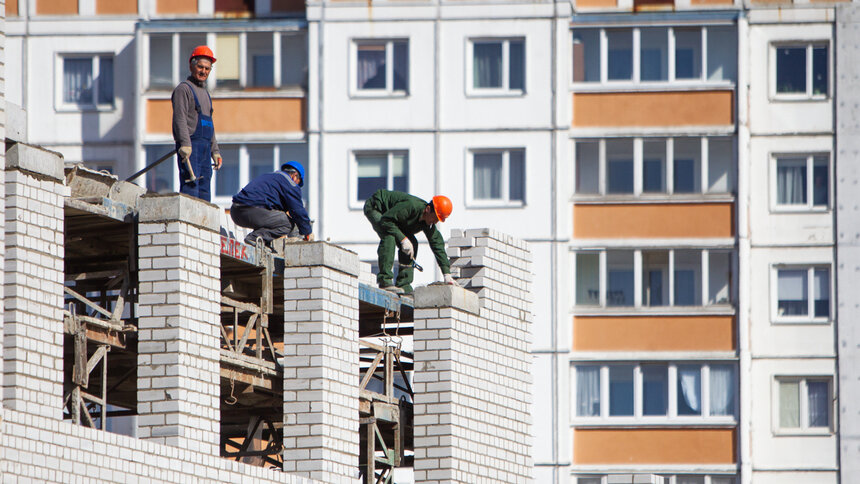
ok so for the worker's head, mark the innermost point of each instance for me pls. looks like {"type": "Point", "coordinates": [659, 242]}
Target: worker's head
{"type": "Point", "coordinates": [200, 62]}
{"type": "Point", "coordinates": [437, 210]}
{"type": "Point", "coordinates": [296, 171]}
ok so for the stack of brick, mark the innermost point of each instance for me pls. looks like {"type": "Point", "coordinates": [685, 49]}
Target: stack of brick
{"type": "Point", "coordinates": [33, 281]}
{"type": "Point", "coordinates": [179, 319]}
{"type": "Point", "coordinates": [321, 363]}
{"type": "Point", "coordinates": [473, 366]}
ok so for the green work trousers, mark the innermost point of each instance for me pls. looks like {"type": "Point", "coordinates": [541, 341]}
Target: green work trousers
{"type": "Point", "coordinates": [385, 254]}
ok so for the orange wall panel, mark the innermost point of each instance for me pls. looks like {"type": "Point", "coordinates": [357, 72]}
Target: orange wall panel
{"type": "Point", "coordinates": [237, 115]}
{"type": "Point", "coordinates": [116, 7]}
{"type": "Point", "coordinates": [56, 7]}
{"type": "Point", "coordinates": [11, 8]}
{"type": "Point", "coordinates": [596, 3]}
{"type": "Point", "coordinates": [653, 220]}
{"type": "Point", "coordinates": [712, 2]}
{"type": "Point", "coordinates": [648, 109]}
{"type": "Point", "coordinates": [175, 6]}
{"type": "Point", "coordinates": [654, 446]}
{"type": "Point", "coordinates": [654, 333]}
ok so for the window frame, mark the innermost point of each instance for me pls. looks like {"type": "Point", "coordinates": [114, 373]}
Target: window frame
{"type": "Point", "coordinates": [504, 201]}
{"type": "Point", "coordinates": [809, 206]}
{"type": "Point", "coordinates": [388, 91]}
{"type": "Point", "coordinates": [671, 416]}
{"type": "Point", "coordinates": [810, 317]}
{"type": "Point", "coordinates": [354, 202]}
{"type": "Point", "coordinates": [803, 408]}
{"type": "Point", "coordinates": [504, 90]}
{"type": "Point", "coordinates": [95, 59]}
{"type": "Point", "coordinates": [808, 45]}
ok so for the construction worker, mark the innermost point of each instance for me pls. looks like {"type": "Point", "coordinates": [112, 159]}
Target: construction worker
{"type": "Point", "coordinates": [397, 217]}
{"type": "Point", "coordinates": [272, 205]}
{"type": "Point", "coordinates": [193, 130]}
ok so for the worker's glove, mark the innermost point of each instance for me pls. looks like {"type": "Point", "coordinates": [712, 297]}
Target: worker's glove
{"type": "Point", "coordinates": [309, 237]}
{"type": "Point", "coordinates": [406, 247]}
{"type": "Point", "coordinates": [216, 157]}
{"type": "Point", "coordinates": [185, 152]}
{"type": "Point", "coordinates": [449, 279]}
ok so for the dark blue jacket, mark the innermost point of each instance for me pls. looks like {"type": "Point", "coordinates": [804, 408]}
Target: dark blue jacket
{"type": "Point", "coordinates": [276, 191]}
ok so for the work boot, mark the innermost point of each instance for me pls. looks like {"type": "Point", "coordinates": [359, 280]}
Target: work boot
{"type": "Point", "coordinates": [393, 288]}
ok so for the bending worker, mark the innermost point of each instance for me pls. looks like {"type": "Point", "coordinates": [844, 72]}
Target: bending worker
{"type": "Point", "coordinates": [272, 205]}
{"type": "Point", "coordinates": [193, 130]}
{"type": "Point", "coordinates": [397, 217]}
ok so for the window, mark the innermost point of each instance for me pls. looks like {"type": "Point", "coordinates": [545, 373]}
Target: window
{"type": "Point", "coordinates": [655, 390]}
{"type": "Point", "coordinates": [804, 403]}
{"type": "Point", "coordinates": [803, 294]}
{"type": "Point", "coordinates": [665, 54]}
{"type": "Point", "coordinates": [653, 479]}
{"type": "Point", "coordinates": [698, 278]}
{"type": "Point", "coordinates": [498, 177]}
{"type": "Point", "coordinates": [226, 180]}
{"type": "Point", "coordinates": [654, 166]}
{"type": "Point", "coordinates": [375, 170]}
{"type": "Point", "coordinates": [87, 81]}
{"type": "Point", "coordinates": [382, 66]}
{"type": "Point", "coordinates": [801, 70]}
{"type": "Point", "coordinates": [803, 182]}
{"type": "Point", "coordinates": [498, 65]}
{"type": "Point", "coordinates": [160, 179]}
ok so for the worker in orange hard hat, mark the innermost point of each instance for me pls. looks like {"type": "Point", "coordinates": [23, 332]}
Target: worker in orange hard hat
{"type": "Point", "coordinates": [397, 217]}
{"type": "Point", "coordinates": [193, 129]}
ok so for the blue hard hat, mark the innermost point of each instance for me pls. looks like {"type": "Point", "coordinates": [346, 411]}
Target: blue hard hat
{"type": "Point", "coordinates": [298, 167]}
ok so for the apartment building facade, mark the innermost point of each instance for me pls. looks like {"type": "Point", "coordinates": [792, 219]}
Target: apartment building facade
{"type": "Point", "coordinates": [672, 165]}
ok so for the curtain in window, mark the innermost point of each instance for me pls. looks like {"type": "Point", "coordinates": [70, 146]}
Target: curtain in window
{"type": "Point", "coordinates": [792, 293]}
{"type": "Point", "coordinates": [400, 172]}
{"type": "Point", "coordinates": [371, 67]}
{"type": "Point", "coordinates": [588, 391]}
{"type": "Point", "coordinates": [105, 80]}
{"type": "Point", "coordinates": [789, 404]}
{"type": "Point", "coordinates": [401, 66]}
{"type": "Point", "coordinates": [372, 174]}
{"type": "Point", "coordinates": [689, 390]}
{"type": "Point", "coordinates": [819, 404]}
{"type": "Point", "coordinates": [791, 182]}
{"type": "Point", "coordinates": [160, 54]}
{"type": "Point", "coordinates": [487, 64]}
{"type": "Point", "coordinates": [78, 81]}
{"type": "Point", "coordinates": [722, 390]}
{"type": "Point", "coordinates": [517, 176]}
{"type": "Point", "coordinates": [487, 176]}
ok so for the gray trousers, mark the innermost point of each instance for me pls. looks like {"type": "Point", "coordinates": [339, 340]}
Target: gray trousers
{"type": "Point", "coordinates": [267, 224]}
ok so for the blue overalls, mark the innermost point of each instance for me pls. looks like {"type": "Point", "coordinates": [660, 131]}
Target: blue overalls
{"type": "Point", "coordinates": [201, 152]}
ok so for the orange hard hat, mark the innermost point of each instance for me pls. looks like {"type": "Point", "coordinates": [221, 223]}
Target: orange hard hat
{"type": "Point", "coordinates": [202, 51]}
{"type": "Point", "coordinates": [442, 206]}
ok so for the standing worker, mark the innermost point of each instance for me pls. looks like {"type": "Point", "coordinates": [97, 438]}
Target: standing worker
{"type": "Point", "coordinates": [397, 217]}
{"type": "Point", "coordinates": [272, 205]}
{"type": "Point", "coordinates": [193, 130]}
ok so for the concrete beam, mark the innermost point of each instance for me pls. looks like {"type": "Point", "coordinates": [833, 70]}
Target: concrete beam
{"type": "Point", "coordinates": [36, 160]}
{"type": "Point", "coordinates": [447, 296]}
{"type": "Point", "coordinates": [155, 207]}
{"type": "Point", "coordinates": [304, 254]}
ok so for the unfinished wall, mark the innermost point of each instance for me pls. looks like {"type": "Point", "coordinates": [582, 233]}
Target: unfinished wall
{"type": "Point", "coordinates": [472, 365]}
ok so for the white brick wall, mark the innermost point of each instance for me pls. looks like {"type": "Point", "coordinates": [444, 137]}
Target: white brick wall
{"type": "Point", "coordinates": [473, 371]}
{"type": "Point", "coordinates": [321, 362]}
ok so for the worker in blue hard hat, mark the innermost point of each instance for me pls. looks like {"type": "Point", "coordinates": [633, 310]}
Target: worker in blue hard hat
{"type": "Point", "coordinates": [272, 205]}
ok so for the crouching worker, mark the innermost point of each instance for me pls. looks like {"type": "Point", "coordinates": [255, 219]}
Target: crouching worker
{"type": "Point", "coordinates": [397, 217]}
{"type": "Point", "coordinates": [272, 205]}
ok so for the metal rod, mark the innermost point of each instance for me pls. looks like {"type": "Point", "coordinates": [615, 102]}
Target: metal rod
{"type": "Point", "coordinates": [151, 166]}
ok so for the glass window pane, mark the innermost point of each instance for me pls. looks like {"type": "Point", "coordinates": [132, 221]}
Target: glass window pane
{"type": "Point", "coordinates": [654, 166]}
{"type": "Point", "coordinates": [400, 172]}
{"type": "Point", "coordinates": [820, 182]}
{"type": "Point", "coordinates": [620, 275]}
{"type": "Point", "coordinates": [686, 165]}
{"type": "Point", "coordinates": [588, 480]}
{"type": "Point", "coordinates": [587, 279]}
{"type": "Point", "coordinates": [517, 62]}
{"type": "Point", "coordinates": [722, 480]}
{"type": "Point", "coordinates": [791, 181]}
{"type": "Point", "coordinates": [587, 167]}
{"type": "Point", "coordinates": [294, 61]}
{"type": "Point", "coordinates": [296, 152]}
{"type": "Point", "coordinates": [401, 65]}
{"type": "Point", "coordinates": [372, 172]}
{"type": "Point", "coordinates": [227, 52]}
{"type": "Point", "coordinates": [620, 390]}
{"type": "Point", "coordinates": [588, 391]}
{"type": "Point", "coordinates": [722, 53]}
{"type": "Point", "coordinates": [261, 159]}
{"type": "Point", "coordinates": [227, 178]}
{"type": "Point", "coordinates": [690, 480]}
{"type": "Point", "coordinates": [791, 70]}
{"type": "Point", "coordinates": [688, 53]}
{"type": "Point", "coordinates": [160, 56]}
{"type": "Point", "coordinates": [719, 276]}
{"type": "Point", "coordinates": [371, 66]}
{"type": "Point", "coordinates": [160, 178]}
{"type": "Point", "coordinates": [822, 293]}
{"type": "Point", "coordinates": [722, 390]}
{"type": "Point", "coordinates": [655, 278]}
{"type": "Point", "coordinates": [689, 390]}
{"type": "Point", "coordinates": [620, 65]}
{"type": "Point", "coordinates": [819, 71]}
{"type": "Point", "coordinates": [105, 80]}
{"type": "Point", "coordinates": [517, 175]}
{"type": "Point", "coordinates": [789, 404]}
{"type": "Point", "coordinates": [688, 269]}
{"type": "Point", "coordinates": [792, 292]}
{"type": "Point", "coordinates": [654, 54]}
{"type": "Point", "coordinates": [487, 182]}
{"type": "Point", "coordinates": [78, 80]}
{"type": "Point", "coordinates": [819, 403]}
{"type": "Point", "coordinates": [187, 43]}
{"type": "Point", "coordinates": [720, 165]}
{"type": "Point", "coordinates": [487, 64]}
{"type": "Point", "coordinates": [261, 59]}
{"type": "Point", "coordinates": [655, 389]}
{"type": "Point", "coordinates": [586, 55]}
{"type": "Point", "coordinates": [619, 155]}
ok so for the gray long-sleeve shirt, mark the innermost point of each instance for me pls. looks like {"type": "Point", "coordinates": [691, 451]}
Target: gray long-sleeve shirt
{"type": "Point", "coordinates": [185, 114]}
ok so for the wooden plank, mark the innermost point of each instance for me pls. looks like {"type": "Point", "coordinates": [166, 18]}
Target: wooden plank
{"type": "Point", "coordinates": [86, 301]}
{"type": "Point", "coordinates": [244, 306]}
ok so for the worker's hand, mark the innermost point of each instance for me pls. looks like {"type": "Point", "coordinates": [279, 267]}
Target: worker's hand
{"type": "Point", "coordinates": [185, 152]}
{"type": "Point", "coordinates": [216, 157]}
{"type": "Point", "coordinates": [449, 279]}
{"type": "Point", "coordinates": [406, 247]}
{"type": "Point", "coordinates": [309, 237]}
